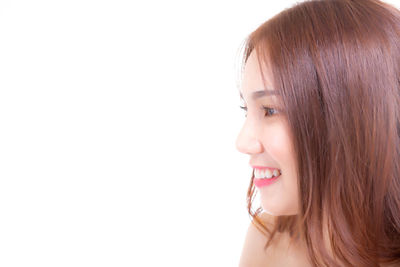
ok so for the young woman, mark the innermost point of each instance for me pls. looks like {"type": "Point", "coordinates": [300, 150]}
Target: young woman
{"type": "Point", "coordinates": [321, 91]}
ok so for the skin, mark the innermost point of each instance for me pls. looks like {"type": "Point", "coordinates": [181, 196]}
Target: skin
{"type": "Point", "coordinates": [266, 140]}
{"type": "Point", "coordinates": [280, 253]}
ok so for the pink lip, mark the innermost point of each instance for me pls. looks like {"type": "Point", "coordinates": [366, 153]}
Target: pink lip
{"type": "Point", "coordinates": [264, 168]}
{"type": "Point", "coordinates": [264, 182]}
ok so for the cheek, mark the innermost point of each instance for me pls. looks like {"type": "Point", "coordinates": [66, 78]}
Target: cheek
{"type": "Point", "coordinates": [279, 145]}
{"type": "Point", "coordinates": [280, 148]}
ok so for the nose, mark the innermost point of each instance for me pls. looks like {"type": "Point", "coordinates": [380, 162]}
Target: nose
{"type": "Point", "coordinates": [247, 141]}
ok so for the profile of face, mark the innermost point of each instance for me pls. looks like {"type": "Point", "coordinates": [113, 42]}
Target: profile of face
{"type": "Point", "coordinates": [265, 137]}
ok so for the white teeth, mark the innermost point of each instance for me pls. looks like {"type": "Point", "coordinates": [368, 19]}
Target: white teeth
{"type": "Point", "coordinates": [262, 174]}
{"type": "Point", "coordinates": [268, 174]}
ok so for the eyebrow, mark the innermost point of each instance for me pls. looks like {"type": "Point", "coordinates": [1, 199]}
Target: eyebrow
{"type": "Point", "coordinates": [261, 93]}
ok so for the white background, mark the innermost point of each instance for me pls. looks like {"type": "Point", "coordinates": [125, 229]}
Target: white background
{"type": "Point", "coordinates": [118, 122]}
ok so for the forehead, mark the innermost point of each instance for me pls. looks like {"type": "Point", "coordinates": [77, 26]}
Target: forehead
{"type": "Point", "coordinates": [253, 86]}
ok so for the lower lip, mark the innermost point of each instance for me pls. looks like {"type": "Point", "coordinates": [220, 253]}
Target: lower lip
{"type": "Point", "coordinates": [264, 182]}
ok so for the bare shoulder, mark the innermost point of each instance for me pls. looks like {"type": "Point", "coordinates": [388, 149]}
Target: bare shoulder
{"type": "Point", "coordinates": [253, 253]}
{"type": "Point", "coordinates": [279, 253]}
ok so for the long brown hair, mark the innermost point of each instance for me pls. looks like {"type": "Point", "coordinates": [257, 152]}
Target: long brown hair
{"type": "Point", "coordinates": [336, 64]}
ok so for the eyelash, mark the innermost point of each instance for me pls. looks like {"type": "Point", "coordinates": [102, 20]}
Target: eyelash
{"type": "Point", "coordinates": [267, 109]}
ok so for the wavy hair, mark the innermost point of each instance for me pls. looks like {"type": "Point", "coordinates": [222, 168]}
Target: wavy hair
{"type": "Point", "coordinates": [336, 65]}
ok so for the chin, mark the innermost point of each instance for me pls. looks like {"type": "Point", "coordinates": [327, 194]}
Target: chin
{"type": "Point", "coordinates": [268, 212]}
{"type": "Point", "coordinates": [275, 212]}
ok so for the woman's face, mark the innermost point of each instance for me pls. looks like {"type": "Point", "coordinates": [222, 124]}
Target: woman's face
{"type": "Point", "coordinates": [265, 137]}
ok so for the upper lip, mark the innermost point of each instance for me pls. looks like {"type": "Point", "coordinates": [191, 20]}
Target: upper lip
{"type": "Point", "coordinates": [263, 167]}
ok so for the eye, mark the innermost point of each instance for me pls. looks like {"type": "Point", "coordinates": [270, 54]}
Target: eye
{"type": "Point", "coordinates": [269, 111]}
{"type": "Point", "coordinates": [245, 109]}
